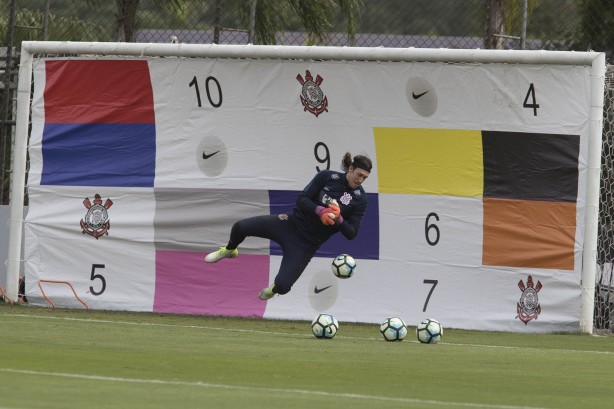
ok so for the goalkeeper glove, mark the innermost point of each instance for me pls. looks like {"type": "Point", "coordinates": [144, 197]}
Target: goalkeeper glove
{"type": "Point", "coordinates": [326, 216]}
{"type": "Point", "coordinates": [334, 209]}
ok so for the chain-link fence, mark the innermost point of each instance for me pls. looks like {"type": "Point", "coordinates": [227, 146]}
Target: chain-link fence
{"type": "Point", "coordinates": [496, 24]}
{"type": "Point", "coordinates": [604, 292]}
{"type": "Point", "coordinates": [531, 24]}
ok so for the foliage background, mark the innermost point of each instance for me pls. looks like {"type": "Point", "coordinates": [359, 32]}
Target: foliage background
{"type": "Point", "coordinates": [551, 24]}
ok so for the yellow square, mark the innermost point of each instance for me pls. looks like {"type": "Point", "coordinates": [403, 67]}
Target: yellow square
{"type": "Point", "coordinates": [442, 162]}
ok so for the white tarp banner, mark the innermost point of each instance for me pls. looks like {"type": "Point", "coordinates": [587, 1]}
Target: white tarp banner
{"type": "Point", "coordinates": [139, 167]}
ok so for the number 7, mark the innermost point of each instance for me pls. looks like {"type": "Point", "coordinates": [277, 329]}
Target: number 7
{"type": "Point", "coordinates": [428, 297]}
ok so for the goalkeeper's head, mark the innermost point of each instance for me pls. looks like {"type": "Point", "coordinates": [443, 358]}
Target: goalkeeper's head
{"type": "Point", "coordinates": [357, 169]}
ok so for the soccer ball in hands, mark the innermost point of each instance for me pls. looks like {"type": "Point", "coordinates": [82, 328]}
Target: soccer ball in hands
{"type": "Point", "coordinates": [324, 326]}
{"type": "Point", "coordinates": [429, 331]}
{"type": "Point", "coordinates": [344, 266]}
{"type": "Point", "coordinates": [393, 329]}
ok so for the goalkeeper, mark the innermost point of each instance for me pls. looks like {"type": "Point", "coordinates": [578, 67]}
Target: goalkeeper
{"type": "Point", "coordinates": [331, 202]}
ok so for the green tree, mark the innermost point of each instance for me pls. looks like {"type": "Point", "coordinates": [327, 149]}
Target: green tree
{"type": "Point", "coordinates": [315, 16]}
{"type": "Point", "coordinates": [30, 26]}
{"type": "Point", "coordinates": [597, 26]}
{"type": "Point", "coordinates": [127, 12]}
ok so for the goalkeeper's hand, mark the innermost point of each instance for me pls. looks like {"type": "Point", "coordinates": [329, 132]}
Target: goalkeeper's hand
{"type": "Point", "coordinates": [326, 216]}
{"type": "Point", "coordinates": [334, 209]}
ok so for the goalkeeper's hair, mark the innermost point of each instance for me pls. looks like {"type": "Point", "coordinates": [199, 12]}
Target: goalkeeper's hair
{"type": "Point", "coordinates": [359, 161]}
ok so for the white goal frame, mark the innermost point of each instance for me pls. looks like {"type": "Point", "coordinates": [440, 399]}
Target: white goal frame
{"type": "Point", "coordinates": [595, 60]}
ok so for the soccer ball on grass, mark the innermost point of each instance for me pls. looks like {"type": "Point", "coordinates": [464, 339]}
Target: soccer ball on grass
{"type": "Point", "coordinates": [429, 331]}
{"type": "Point", "coordinates": [324, 326]}
{"type": "Point", "coordinates": [344, 266]}
{"type": "Point", "coordinates": [393, 329]}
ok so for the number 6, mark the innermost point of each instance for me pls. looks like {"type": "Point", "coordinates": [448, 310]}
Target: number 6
{"type": "Point", "coordinates": [432, 226]}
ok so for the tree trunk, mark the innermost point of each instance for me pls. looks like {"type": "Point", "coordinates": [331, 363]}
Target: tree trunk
{"type": "Point", "coordinates": [216, 22]}
{"type": "Point", "coordinates": [495, 24]}
{"type": "Point", "coordinates": [126, 20]}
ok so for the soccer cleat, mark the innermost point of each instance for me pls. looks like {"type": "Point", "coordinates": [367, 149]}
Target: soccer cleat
{"type": "Point", "coordinates": [267, 293]}
{"type": "Point", "coordinates": [223, 252]}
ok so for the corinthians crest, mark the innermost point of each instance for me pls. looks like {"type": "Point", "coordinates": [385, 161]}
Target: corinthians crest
{"type": "Point", "coordinates": [528, 307]}
{"type": "Point", "coordinates": [312, 97]}
{"type": "Point", "coordinates": [96, 221]}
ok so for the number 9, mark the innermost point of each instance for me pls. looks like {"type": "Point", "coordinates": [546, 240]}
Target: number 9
{"type": "Point", "coordinates": [325, 159]}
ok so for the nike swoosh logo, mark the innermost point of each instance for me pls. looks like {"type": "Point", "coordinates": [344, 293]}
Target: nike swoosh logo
{"type": "Point", "coordinates": [416, 96]}
{"type": "Point", "coordinates": [205, 156]}
{"type": "Point", "coordinates": [319, 290]}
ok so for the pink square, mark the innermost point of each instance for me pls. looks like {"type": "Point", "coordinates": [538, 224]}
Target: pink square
{"type": "Point", "coordinates": [185, 284]}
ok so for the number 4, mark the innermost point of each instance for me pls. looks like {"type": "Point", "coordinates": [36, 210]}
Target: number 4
{"type": "Point", "coordinates": [533, 104]}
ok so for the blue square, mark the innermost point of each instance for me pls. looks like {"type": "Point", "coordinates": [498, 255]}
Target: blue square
{"type": "Point", "coordinates": [96, 154]}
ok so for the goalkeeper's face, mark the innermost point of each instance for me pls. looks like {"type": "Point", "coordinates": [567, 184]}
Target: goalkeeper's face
{"type": "Point", "coordinates": [356, 176]}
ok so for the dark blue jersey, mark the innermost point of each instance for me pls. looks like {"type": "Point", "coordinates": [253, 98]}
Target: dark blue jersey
{"type": "Point", "coordinates": [323, 188]}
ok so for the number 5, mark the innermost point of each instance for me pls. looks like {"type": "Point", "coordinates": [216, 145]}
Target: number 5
{"type": "Point", "coordinates": [95, 276]}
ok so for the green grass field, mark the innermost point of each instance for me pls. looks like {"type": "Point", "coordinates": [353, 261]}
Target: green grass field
{"type": "Point", "coordinates": [92, 359]}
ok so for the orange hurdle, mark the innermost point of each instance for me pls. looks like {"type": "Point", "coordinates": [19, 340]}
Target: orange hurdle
{"type": "Point", "coordinates": [6, 296]}
{"type": "Point", "coordinates": [59, 282]}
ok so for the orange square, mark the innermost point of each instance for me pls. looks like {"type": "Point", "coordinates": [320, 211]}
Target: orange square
{"type": "Point", "coordinates": [525, 233]}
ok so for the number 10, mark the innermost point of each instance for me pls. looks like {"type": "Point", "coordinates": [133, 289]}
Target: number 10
{"type": "Point", "coordinates": [194, 83]}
